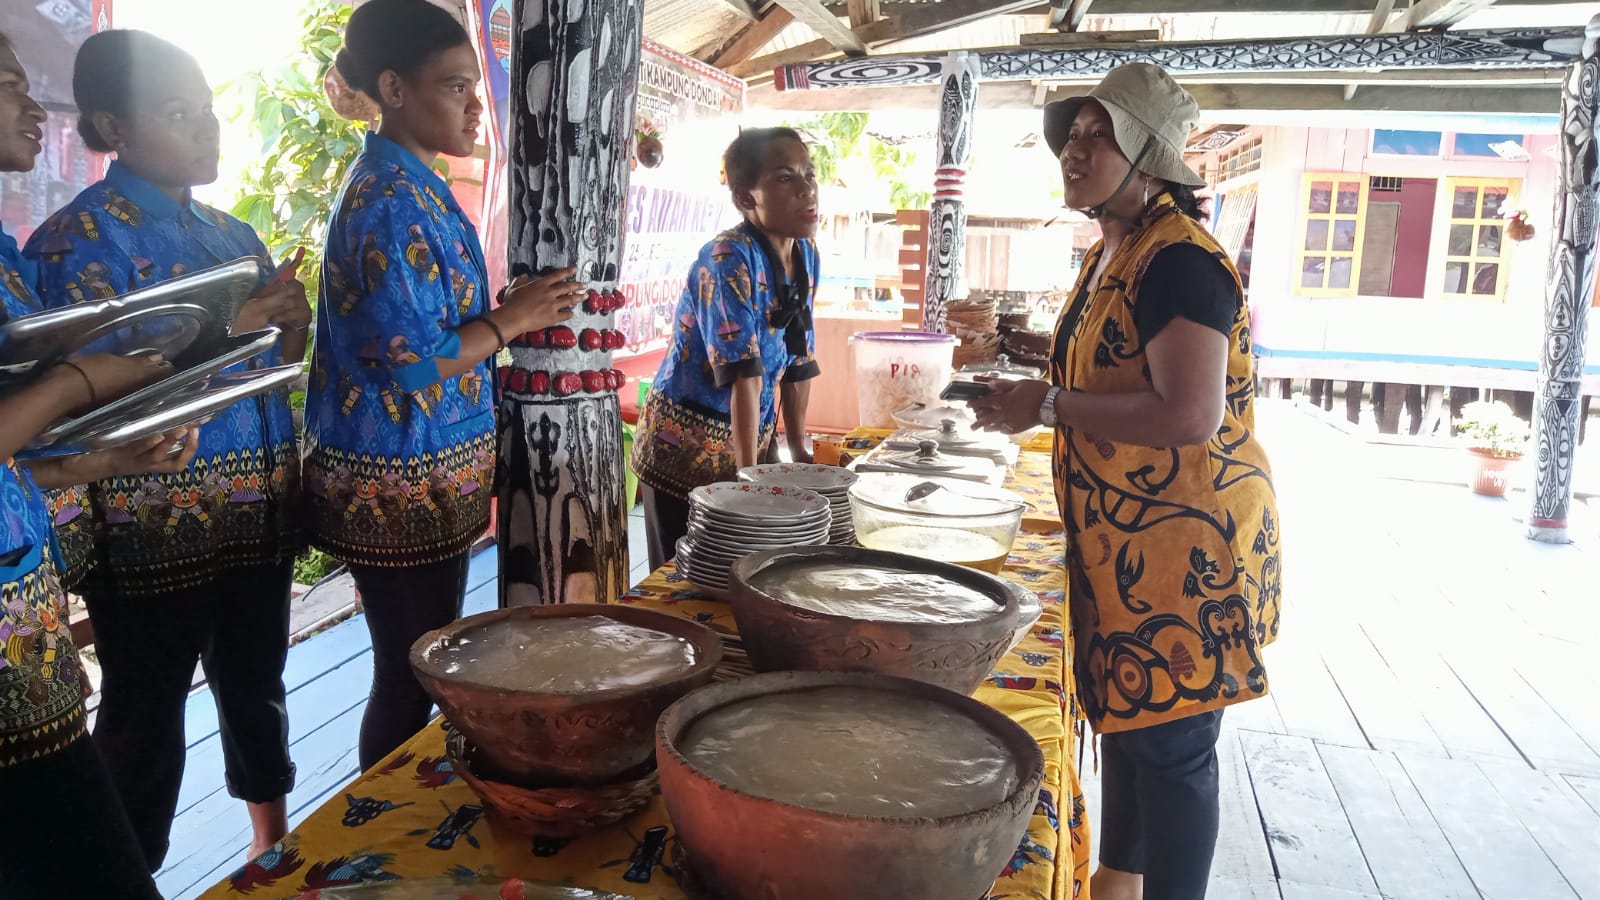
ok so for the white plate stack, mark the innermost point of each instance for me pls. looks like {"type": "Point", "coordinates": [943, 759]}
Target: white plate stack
{"type": "Point", "coordinates": [733, 519]}
{"type": "Point", "coordinates": [832, 483]}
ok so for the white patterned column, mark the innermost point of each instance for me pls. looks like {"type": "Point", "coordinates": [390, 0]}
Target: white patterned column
{"type": "Point", "coordinates": [1568, 286]}
{"type": "Point", "coordinates": [562, 526]}
{"type": "Point", "coordinates": [944, 276]}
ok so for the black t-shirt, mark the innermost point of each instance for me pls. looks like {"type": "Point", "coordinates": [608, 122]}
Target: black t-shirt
{"type": "Point", "coordinates": [1185, 280]}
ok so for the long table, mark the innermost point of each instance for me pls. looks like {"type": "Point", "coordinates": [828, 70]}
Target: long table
{"type": "Point", "coordinates": [411, 817]}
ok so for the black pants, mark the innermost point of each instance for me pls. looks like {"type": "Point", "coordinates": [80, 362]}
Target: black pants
{"type": "Point", "coordinates": [401, 604]}
{"type": "Point", "coordinates": [1159, 804]}
{"type": "Point", "coordinates": [238, 628]}
{"type": "Point", "coordinates": [70, 837]}
{"type": "Point", "coordinates": [666, 520]}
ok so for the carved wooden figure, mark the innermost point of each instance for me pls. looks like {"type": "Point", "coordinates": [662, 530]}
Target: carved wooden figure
{"type": "Point", "coordinates": [1569, 284]}
{"type": "Point", "coordinates": [947, 223]}
{"type": "Point", "coordinates": [562, 526]}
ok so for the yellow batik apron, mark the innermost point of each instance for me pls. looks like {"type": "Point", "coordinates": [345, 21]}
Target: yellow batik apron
{"type": "Point", "coordinates": [1172, 552]}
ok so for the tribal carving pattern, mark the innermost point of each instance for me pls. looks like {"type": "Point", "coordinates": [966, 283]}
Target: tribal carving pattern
{"type": "Point", "coordinates": [1569, 285]}
{"type": "Point", "coordinates": [1521, 48]}
{"type": "Point", "coordinates": [947, 221]}
{"type": "Point", "coordinates": [562, 525]}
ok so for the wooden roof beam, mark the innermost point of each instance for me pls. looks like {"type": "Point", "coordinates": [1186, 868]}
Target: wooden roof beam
{"type": "Point", "coordinates": [917, 21]}
{"type": "Point", "coordinates": [751, 38]}
{"type": "Point", "coordinates": [1439, 13]}
{"type": "Point", "coordinates": [826, 25]}
{"type": "Point", "coordinates": [863, 12]}
{"type": "Point", "coordinates": [1068, 15]}
{"type": "Point", "coordinates": [1321, 7]}
{"type": "Point", "coordinates": [743, 8]}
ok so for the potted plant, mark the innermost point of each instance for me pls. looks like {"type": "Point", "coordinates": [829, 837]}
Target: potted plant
{"type": "Point", "coordinates": [1518, 228]}
{"type": "Point", "coordinates": [1495, 437]}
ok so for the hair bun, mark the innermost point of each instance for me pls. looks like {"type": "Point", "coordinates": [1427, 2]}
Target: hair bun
{"type": "Point", "coordinates": [349, 68]}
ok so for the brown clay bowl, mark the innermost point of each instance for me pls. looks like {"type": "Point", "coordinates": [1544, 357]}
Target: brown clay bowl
{"type": "Point", "coordinates": [534, 739]}
{"type": "Point", "coordinates": [743, 847]}
{"type": "Point", "coordinates": [782, 637]}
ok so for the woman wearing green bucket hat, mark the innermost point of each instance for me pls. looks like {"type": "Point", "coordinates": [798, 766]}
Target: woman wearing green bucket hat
{"type": "Point", "coordinates": [1166, 493]}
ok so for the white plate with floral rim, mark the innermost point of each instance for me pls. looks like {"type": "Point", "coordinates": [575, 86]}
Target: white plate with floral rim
{"type": "Point", "coordinates": [826, 480]}
{"type": "Point", "coordinates": [739, 500]}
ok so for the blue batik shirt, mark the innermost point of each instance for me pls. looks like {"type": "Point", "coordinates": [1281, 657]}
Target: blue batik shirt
{"type": "Point", "coordinates": [41, 700]}
{"type": "Point", "coordinates": [726, 327]}
{"type": "Point", "coordinates": [233, 506]}
{"type": "Point", "coordinates": [399, 463]}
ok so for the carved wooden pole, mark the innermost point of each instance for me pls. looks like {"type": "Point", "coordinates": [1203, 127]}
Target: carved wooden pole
{"type": "Point", "coordinates": [1568, 286]}
{"type": "Point", "coordinates": [562, 525]}
{"type": "Point", "coordinates": [944, 278]}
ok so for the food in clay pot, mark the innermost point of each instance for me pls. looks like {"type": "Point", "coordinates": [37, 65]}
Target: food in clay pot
{"type": "Point", "coordinates": [566, 694]}
{"type": "Point", "coordinates": [828, 608]}
{"type": "Point", "coordinates": [845, 786]}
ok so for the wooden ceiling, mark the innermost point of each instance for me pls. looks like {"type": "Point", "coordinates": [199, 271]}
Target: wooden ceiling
{"type": "Point", "coordinates": [752, 38]}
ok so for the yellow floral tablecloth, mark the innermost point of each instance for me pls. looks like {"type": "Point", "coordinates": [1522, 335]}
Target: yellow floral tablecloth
{"type": "Point", "coordinates": [411, 817]}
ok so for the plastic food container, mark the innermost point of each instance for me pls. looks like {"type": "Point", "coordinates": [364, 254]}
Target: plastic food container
{"type": "Point", "coordinates": [895, 369]}
{"type": "Point", "coordinates": [943, 519]}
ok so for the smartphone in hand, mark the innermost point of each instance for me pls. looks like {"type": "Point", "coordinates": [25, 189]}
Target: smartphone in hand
{"type": "Point", "coordinates": [964, 391]}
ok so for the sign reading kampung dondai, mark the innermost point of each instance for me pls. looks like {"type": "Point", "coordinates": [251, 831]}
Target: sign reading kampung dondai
{"type": "Point", "coordinates": [562, 526]}
{"type": "Point", "coordinates": [687, 115]}
{"type": "Point", "coordinates": [1524, 48]}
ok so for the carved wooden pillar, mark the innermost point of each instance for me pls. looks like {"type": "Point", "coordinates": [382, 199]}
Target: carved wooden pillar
{"type": "Point", "coordinates": [562, 525]}
{"type": "Point", "coordinates": [1568, 286]}
{"type": "Point", "coordinates": [947, 225]}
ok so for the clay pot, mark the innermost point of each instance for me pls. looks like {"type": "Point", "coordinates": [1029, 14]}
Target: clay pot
{"type": "Point", "coordinates": [649, 151]}
{"type": "Point", "coordinates": [1519, 230]}
{"type": "Point", "coordinates": [742, 847]}
{"type": "Point", "coordinates": [781, 637]}
{"type": "Point", "coordinates": [542, 740]}
{"type": "Point", "coordinates": [1489, 472]}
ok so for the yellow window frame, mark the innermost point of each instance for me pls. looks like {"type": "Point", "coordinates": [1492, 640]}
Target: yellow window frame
{"type": "Point", "coordinates": [1482, 218]}
{"type": "Point", "coordinates": [1309, 220]}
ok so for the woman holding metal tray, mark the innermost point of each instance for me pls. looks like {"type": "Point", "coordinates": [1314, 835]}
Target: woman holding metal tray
{"type": "Point", "coordinates": [51, 775]}
{"type": "Point", "coordinates": [190, 565]}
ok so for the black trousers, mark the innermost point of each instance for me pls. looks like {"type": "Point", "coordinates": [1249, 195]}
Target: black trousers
{"type": "Point", "coordinates": [1159, 804]}
{"type": "Point", "coordinates": [401, 603]}
{"type": "Point", "coordinates": [237, 627]}
{"type": "Point", "coordinates": [71, 838]}
{"type": "Point", "coordinates": [666, 520]}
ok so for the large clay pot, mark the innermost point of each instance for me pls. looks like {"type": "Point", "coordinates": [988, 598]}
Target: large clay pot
{"type": "Point", "coordinates": [742, 847]}
{"type": "Point", "coordinates": [536, 740]}
{"type": "Point", "coordinates": [781, 637]}
{"type": "Point", "coordinates": [1489, 472]}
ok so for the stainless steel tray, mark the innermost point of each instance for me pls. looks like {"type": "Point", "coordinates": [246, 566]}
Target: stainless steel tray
{"type": "Point", "coordinates": [45, 338]}
{"type": "Point", "coordinates": [36, 342]}
{"type": "Point", "coordinates": [226, 353]}
{"type": "Point", "coordinates": [175, 410]}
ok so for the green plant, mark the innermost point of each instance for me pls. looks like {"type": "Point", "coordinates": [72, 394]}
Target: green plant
{"type": "Point", "coordinates": [305, 146]}
{"type": "Point", "coordinates": [845, 152]}
{"type": "Point", "coordinates": [313, 565]}
{"type": "Point", "coordinates": [1491, 426]}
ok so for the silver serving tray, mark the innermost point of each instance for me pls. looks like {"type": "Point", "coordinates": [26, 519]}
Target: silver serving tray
{"type": "Point", "coordinates": [36, 342]}
{"type": "Point", "coordinates": [230, 351]}
{"type": "Point", "coordinates": [47, 337]}
{"type": "Point", "coordinates": [172, 410]}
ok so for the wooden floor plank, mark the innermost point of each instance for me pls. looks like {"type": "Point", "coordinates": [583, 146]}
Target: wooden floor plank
{"type": "Point", "coordinates": [1454, 715]}
{"type": "Point", "coordinates": [1242, 866]}
{"type": "Point", "coordinates": [1307, 698]}
{"type": "Point", "coordinates": [1537, 729]}
{"type": "Point", "coordinates": [1384, 707]}
{"type": "Point", "coordinates": [1404, 847]}
{"type": "Point", "coordinates": [1550, 671]}
{"type": "Point", "coordinates": [1504, 860]}
{"type": "Point", "coordinates": [331, 764]}
{"type": "Point", "coordinates": [1587, 788]}
{"type": "Point", "coordinates": [1310, 837]}
{"type": "Point", "coordinates": [1293, 891]}
{"type": "Point", "coordinates": [1559, 820]}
